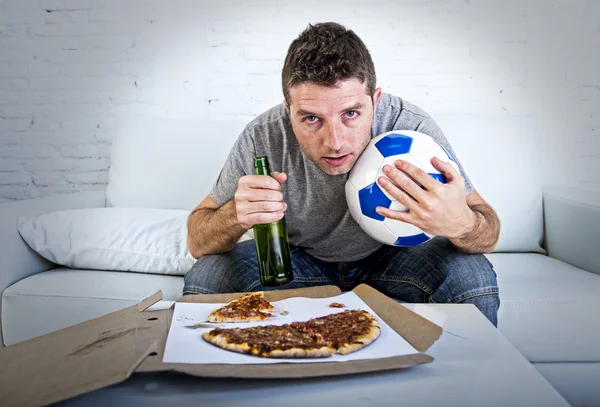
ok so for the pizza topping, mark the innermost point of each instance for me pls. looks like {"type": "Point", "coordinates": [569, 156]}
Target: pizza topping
{"type": "Point", "coordinates": [249, 307]}
{"type": "Point", "coordinates": [336, 305]}
{"type": "Point", "coordinates": [341, 328]}
{"type": "Point", "coordinates": [264, 339]}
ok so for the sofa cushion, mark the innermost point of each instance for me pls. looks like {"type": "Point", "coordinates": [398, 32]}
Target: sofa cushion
{"type": "Point", "coordinates": [166, 163]}
{"type": "Point", "coordinates": [63, 297]}
{"type": "Point", "coordinates": [122, 239]}
{"type": "Point", "coordinates": [572, 226]}
{"type": "Point", "coordinates": [549, 309]}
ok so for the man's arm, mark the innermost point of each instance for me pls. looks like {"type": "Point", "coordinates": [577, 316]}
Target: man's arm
{"type": "Point", "coordinates": [481, 235]}
{"type": "Point", "coordinates": [212, 229]}
{"type": "Point", "coordinates": [257, 200]}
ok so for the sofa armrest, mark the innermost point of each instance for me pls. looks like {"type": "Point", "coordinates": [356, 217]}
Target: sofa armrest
{"type": "Point", "coordinates": [17, 260]}
{"type": "Point", "coordinates": [572, 226]}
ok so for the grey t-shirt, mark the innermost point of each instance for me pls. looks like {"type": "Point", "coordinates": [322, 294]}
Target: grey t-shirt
{"type": "Point", "coordinates": [317, 217]}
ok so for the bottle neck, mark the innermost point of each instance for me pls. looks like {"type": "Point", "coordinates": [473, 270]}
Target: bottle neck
{"type": "Point", "coordinates": [261, 166]}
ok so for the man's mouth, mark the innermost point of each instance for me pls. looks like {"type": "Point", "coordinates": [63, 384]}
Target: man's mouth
{"type": "Point", "coordinates": [337, 160]}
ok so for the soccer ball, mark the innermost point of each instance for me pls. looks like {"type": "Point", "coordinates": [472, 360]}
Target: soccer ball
{"type": "Point", "coordinates": [364, 194]}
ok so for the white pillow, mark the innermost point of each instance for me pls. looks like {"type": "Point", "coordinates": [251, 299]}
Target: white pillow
{"type": "Point", "coordinates": [122, 239]}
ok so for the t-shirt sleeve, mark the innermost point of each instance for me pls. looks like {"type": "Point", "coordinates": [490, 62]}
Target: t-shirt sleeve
{"type": "Point", "coordinates": [429, 126]}
{"type": "Point", "coordinates": [240, 162]}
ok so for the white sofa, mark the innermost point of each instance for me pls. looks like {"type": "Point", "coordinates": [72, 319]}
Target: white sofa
{"type": "Point", "coordinates": [549, 282]}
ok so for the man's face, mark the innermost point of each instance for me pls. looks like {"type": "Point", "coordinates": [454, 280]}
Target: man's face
{"type": "Point", "coordinates": [333, 124]}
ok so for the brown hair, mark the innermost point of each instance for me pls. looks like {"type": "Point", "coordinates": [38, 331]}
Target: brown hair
{"type": "Point", "coordinates": [324, 54]}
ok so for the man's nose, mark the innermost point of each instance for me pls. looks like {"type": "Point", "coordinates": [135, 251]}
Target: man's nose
{"type": "Point", "coordinates": [333, 138]}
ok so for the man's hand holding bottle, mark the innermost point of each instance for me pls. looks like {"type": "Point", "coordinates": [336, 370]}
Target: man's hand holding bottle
{"type": "Point", "coordinates": [258, 199]}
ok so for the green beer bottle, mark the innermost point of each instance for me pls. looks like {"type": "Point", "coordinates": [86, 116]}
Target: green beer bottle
{"type": "Point", "coordinates": [272, 246]}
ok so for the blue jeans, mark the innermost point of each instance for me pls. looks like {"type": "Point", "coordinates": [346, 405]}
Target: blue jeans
{"type": "Point", "coordinates": [432, 272]}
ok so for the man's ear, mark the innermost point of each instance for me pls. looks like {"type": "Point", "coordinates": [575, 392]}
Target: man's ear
{"type": "Point", "coordinates": [285, 103]}
{"type": "Point", "coordinates": [376, 96]}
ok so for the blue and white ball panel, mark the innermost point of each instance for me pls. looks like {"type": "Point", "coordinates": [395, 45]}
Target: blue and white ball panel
{"type": "Point", "coordinates": [410, 241]}
{"type": "Point", "coordinates": [397, 206]}
{"type": "Point", "coordinates": [364, 171]}
{"type": "Point", "coordinates": [393, 143]}
{"type": "Point", "coordinates": [377, 230]}
{"type": "Point", "coordinates": [426, 146]}
{"type": "Point", "coordinates": [370, 198]}
{"type": "Point", "coordinates": [353, 202]}
{"type": "Point", "coordinates": [382, 233]}
{"type": "Point", "coordinates": [402, 229]}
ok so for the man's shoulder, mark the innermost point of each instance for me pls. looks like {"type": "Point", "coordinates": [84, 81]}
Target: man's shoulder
{"type": "Point", "coordinates": [394, 113]}
{"type": "Point", "coordinates": [400, 105]}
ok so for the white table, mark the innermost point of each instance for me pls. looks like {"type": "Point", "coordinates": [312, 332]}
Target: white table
{"type": "Point", "coordinates": [474, 366]}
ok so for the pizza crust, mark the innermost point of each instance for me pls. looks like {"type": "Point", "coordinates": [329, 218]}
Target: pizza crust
{"type": "Point", "coordinates": [322, 352]}
{"type": "Point", "coordinates": [361, 342]}
{"type": "Point", "coordinates": [221, 342]}
{"type": "Point", "coordinates": [221, 318]}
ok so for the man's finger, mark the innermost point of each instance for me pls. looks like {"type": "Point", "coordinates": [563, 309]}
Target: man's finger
{"type": "Point", "coordinates": [405, 183]}
{"type": "Point", "coordinates": [445, 168]}
{"type": "Point", "coordinates": [263, 218]}
{"type": "Point", "coordinates": [261, 182]}
{"type": "Point", "coordinates": [417, 174]}
{"type": "Point", "coordinates": [264, 207]}
{"type": "Point", "coordinates": [258, 195]}
{"type": "Point", "coordinates": [281, 177]}
{"type": "Point", "coordinates": [396, 215]}
{"type": "Point", "coordinates": [399, 195]}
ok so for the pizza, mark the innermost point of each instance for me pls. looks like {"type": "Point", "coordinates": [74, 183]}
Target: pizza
{"type": "Point", "coordinates": [343, 333]}
{"type": "Point", "coordinates": [247, 308]}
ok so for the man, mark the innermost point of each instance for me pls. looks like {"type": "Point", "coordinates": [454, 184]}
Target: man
{"type": "Point", "coordinates": [330, 112]}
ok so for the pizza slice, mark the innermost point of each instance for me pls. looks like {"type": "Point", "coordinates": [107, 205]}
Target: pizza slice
{"type": "Point", "coordinates": [247, 308]}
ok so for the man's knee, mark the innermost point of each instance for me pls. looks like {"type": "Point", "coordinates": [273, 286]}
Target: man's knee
{"type": "Point", "coordinates": [471, 279]}
{"type": "Point", "coordinates": [466, 276]}
{"type": "Point", "coordinates": [234, 271]}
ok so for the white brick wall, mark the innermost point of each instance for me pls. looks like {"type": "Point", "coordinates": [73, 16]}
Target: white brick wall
{"type": "Point", "coordinates": [70, 68]}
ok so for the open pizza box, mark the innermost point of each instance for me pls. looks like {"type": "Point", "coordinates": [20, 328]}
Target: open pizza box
{"type": "Point", "coordinates": [107, 350]}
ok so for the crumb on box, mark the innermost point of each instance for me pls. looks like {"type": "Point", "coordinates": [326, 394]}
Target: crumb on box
{"type": "Point", "coordinates": [284, 312]}
{"type": "Point", "coordinates": [336, 305]}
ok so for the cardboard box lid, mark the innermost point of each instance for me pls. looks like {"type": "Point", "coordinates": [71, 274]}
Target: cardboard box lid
{"type": "Point", "coordinates": [74, 360]}
{"type": "Point", "coordinates": [107, 350]}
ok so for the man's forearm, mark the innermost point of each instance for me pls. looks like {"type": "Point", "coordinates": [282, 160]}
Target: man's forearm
{"type": "Point", "coordinates": [483, 236]}
{"type": "Point", "coordinates": [213, 230]}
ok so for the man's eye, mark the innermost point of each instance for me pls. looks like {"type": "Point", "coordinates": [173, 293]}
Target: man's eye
{"type": "Point", "coordinates": [311, 119]}
{"type": "Point", "coordinates": [350, 114]}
